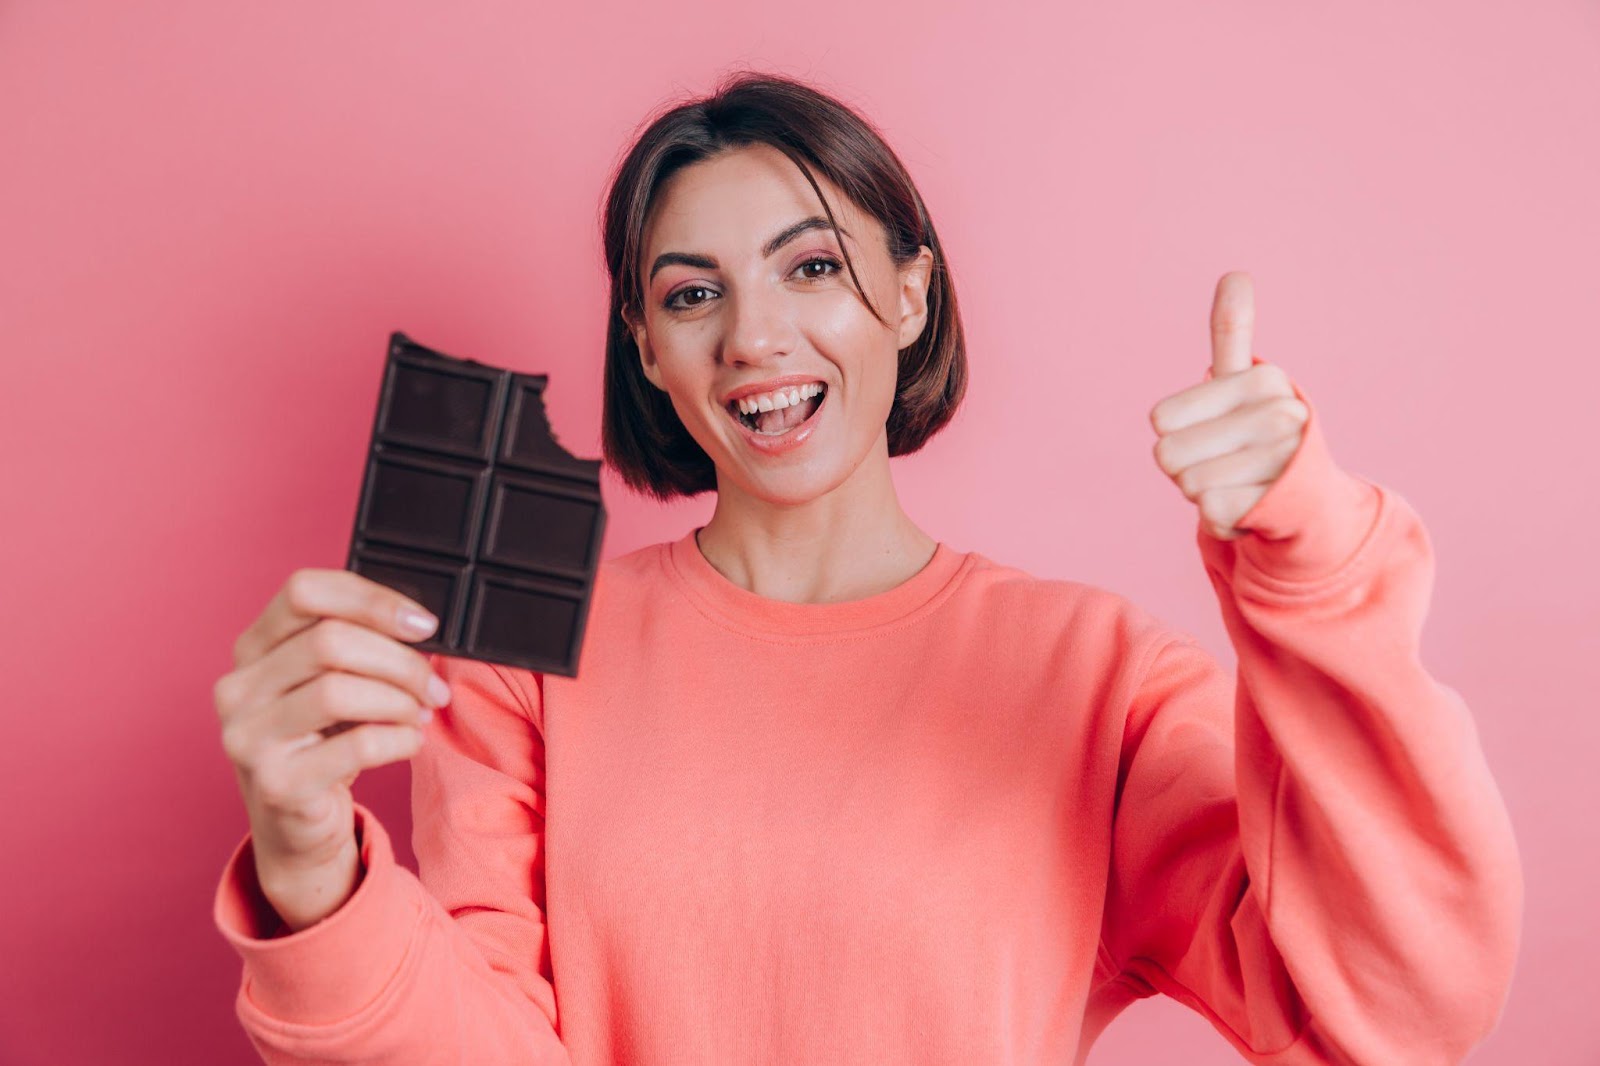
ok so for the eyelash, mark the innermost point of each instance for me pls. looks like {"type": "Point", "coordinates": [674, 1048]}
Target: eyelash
{"type": "Point", "coordinates": [828, 259]}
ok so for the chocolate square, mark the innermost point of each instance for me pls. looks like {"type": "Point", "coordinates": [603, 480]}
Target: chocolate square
{"type": "Point", "coordinates": [470, 507]}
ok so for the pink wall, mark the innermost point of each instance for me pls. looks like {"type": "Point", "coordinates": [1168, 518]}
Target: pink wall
{"type": "Point", "coordinates": [212, 215]}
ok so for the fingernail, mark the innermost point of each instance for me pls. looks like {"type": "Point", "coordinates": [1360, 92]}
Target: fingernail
{"type": "Point", "coordinates": [438, 691]}
{"type": "Point", "coordinates": [419, 622]}
{"type": "Point", "coordinates": [427, 715]}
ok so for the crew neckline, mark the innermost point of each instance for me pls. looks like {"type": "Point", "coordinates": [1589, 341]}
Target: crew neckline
{"type": "Point", "coordinates": [719, 597]}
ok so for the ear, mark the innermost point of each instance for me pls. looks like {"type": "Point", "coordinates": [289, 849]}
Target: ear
{"type": "Point", "coordinates": [641, 341]}
{"type": "Point", "coordinates": [914, 278]}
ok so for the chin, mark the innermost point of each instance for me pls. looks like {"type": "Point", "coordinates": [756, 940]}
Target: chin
{"type": "Point", "coordinates": [793, 488]}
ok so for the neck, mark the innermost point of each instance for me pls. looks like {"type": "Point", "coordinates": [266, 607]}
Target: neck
{"type": "Point", "coordinates": [849, 543]}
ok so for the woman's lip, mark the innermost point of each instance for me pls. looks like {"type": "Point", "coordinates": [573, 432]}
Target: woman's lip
{"type": "Point", "coordinates": [757, 388]}
{"type": "Point", "coordinates": [770, 445]}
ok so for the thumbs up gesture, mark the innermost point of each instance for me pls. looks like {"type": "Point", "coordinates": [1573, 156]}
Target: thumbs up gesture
{"type": "Point", "coordinates": [1227, 440]}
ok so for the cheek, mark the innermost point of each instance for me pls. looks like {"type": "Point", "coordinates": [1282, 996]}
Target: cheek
{"type": "Point", "coordinates": [685, 373]}
{"type": "Point", "coordinates": [679, 365]}
{"type": "Point", "coordinates": [842, 318]}
{"type": "Point", "coordinates": [842, 323]}
{"type": "Point", "coordinates": [864, 350]}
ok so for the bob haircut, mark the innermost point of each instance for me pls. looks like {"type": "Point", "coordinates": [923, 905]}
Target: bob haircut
{"type": "Point", "coordinates": [642, 436]}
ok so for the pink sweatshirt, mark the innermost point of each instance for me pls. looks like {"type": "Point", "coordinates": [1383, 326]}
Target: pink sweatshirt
{"type": "Point", "coordinates": [964, 821]}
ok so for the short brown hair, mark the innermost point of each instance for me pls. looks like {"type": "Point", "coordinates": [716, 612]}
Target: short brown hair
{"type": "Point", "coordinates": [642, 436]}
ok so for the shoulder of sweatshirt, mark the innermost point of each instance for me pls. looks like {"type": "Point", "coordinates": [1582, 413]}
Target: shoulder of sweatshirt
{"type": "Point", "coordinates": [1098, 636]}
{"type": "Point", "coordinates": [632, 576]}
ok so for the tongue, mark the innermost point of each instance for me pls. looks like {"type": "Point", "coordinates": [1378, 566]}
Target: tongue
{"type": "Point", "coordinates": [774, 422]}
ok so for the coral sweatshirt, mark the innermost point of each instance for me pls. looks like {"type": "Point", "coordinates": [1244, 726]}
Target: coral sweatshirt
{"type": "Point", "coordinates": [967, 820]}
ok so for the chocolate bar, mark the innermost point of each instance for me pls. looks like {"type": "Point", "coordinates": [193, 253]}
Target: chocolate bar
{"type": "Point", "coordinates": [471, 508]}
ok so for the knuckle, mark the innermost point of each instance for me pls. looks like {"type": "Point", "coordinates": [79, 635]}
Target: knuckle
{"type": "Point", "coordinates": [1258, 382]}
{"type": "Point", "coordinates": [326, 643]}
{"type": "Point", "coordinates": [382, 603]}
{"type": "Point", "coordinates": [424, 674]}
{"type": "Point", "coordinates": [1229, 319]}
{"type": "Point", "coordinates": [240, 650]}
{"type": "Point", "coordinates": [297, 590]}
{"type": "Point", "coordinates": [377, 602]}
{"type": "Point", "coordinates": [1287, 414]}
{"type": "Point", "coordinates": [322, 693]}
{"type": "Point", "coordinates": [369, 745]}
{"type": "Point", "coordinates": [222, 695]}
{"type": "Point", "coordinates": [233, 744]}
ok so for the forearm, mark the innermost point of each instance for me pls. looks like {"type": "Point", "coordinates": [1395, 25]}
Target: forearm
{"type": "Point", "coordinates": [1384, 860]}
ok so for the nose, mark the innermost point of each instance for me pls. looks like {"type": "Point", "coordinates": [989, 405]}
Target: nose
{"type": "Point", "coordinates": [760, 329]}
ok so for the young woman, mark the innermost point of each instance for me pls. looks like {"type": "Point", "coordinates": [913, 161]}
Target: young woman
{"type": "Point", "coordinates": [826, 789]}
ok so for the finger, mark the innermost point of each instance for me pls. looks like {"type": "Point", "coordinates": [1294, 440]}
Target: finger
{"type": "Point", "coordinates": [325, 707]}
{"type": "Point", "coordinates": [334, 701]}
{"type": "Point", "coordinates": [311, 594]}
{"type": "Point", "coordinates": [1260, 423]}
{"type": "Point", "coordinates": [1259, 464]}
{"type": "Point", "coordinates": [318, 767]}
{"type": "Point", "coordinates": [1233, 317]}
{"type": "Point", "coordinates": [1216, 398]}
{"type": "Point", "coordinates": [335, 645]}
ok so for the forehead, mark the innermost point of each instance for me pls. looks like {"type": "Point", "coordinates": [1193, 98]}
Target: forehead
{"type": "Point", "coordinates": [737, 199]}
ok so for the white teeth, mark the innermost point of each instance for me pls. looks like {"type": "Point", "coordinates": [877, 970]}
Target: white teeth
{"type": "Point", "coordinates": [778, 399]}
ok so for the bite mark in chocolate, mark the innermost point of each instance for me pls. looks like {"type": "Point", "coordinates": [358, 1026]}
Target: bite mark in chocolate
{"type": "Point", "coordinates": [470, 507]}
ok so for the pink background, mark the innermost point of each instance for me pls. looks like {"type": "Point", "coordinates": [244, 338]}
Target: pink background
{"type": "Point", "coordinates": [212, 215]}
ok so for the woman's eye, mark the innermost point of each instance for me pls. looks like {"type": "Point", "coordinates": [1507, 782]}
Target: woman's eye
{"type": "Point", "coordinates": [677, 301]}
{"type": "Point", "coordinates": [672, 301]}
{"type": "Point", "coordinates": [820, 260]}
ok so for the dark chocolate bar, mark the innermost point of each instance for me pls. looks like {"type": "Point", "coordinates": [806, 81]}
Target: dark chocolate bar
{"type": "Point", "coordinates": [471, 508]}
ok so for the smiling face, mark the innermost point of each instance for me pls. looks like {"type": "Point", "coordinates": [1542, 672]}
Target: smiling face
{"type": "Point", "coordinates": [749, 307]}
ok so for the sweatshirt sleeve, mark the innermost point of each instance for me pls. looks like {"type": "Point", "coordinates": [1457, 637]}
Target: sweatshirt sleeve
{"type": "Point", "coordinates": [1314, 855]}
{"type": "Point", "coordinates": [450, 968]}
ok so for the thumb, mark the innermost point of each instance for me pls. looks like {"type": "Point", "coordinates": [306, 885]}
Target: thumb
{"type": "Point", "coordinates": [1233, 320]}
{"type": "Point", "coordinates": [1255, 360]}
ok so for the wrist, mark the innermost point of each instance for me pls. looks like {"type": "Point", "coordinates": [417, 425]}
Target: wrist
{"type": "Point", "coordinates": [304, 898]}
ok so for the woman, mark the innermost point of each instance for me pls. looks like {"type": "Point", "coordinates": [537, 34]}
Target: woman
{"type": "Point", "coordinates": [827, 790]}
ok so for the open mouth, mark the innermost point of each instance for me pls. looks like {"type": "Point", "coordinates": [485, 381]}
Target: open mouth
{"type": "Point", "coordinates": [797, 409]}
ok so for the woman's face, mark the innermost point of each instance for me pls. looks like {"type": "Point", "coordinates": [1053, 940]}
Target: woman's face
{"type": "Point", "coordinates": [746, 295]}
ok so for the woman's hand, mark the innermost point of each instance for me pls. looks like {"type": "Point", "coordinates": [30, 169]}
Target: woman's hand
{"type": "Point", "coordinates": [322, 688]}
{"type": "Point", "coordinates": [1227, 440]}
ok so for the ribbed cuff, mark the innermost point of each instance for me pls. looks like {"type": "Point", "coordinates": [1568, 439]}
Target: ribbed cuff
{"type": "Point", "coordinates": [329, 971]}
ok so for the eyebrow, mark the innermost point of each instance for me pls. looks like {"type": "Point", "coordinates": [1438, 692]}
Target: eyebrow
{"type": "Point", "coordinates": [783, 237]}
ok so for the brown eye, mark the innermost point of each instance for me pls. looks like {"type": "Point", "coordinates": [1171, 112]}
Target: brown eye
{"type": "Point", "coordinates": [672, 305]}
{"type": "Point", "coordinates": [818, 261]}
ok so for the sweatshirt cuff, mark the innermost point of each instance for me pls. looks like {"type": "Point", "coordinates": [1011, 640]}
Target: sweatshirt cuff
{"type": "Point", "coordinates": [1312, 521]}
{"type": "Point", "coordinates": [329, 971]}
